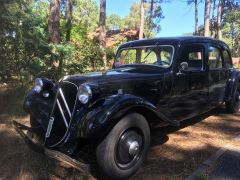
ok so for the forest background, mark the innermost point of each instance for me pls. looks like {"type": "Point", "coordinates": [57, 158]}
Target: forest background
{"type": "Point", "coordinates": [53, 38]}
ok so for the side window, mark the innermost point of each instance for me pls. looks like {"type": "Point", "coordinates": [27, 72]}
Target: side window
{"type": "Point", "coordinates": [193, 55]}
{"type": "Point", "coordinates": [214, 58]}
{"type": "Point", "coordinates": [227, 59]}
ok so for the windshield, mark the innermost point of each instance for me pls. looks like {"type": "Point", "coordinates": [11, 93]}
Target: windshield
{"type": "Point", "coordinates": [158, 55]}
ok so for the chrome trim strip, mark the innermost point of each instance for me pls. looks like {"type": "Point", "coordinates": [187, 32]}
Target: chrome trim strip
{"type": "Point", "coordinates": [64, 118]}
{"type": "Point", "coordinates": [49, 128]}
{"type": "Point", "coordinates": [65, 135]}
{"type": "Point", "coordinates": [64, 100]}
{"type": "Point", "coordinates": [70, 83]}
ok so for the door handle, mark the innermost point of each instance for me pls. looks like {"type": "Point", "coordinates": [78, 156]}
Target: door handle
{"type": "Point", "coordinates": [180, 73]}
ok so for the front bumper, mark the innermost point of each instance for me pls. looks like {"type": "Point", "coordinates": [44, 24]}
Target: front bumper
{"type": "Point", "coordinates": [38, 146]}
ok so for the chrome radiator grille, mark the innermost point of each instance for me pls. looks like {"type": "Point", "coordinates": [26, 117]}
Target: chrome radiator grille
{"type": "Point", "coordinates": [62, 113]}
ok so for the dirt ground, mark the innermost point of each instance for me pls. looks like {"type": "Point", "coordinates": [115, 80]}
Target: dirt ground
{"type": "Point", "coordinates": [175, 151]}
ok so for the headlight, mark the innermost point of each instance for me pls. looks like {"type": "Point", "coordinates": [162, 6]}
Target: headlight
{"type": "Point", "coordinates": [45, 94]}
{"type": "Point", "coordinates": [84, 94]}
{"type": "Point", "coordinates": [38, 85]}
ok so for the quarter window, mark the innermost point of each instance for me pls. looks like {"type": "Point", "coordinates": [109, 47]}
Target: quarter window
{"type": "Point", "coordinates": [227, 59]}
{"type": "Point", "coordinates": [214, 58]}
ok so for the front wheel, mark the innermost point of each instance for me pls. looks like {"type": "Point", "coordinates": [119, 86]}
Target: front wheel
{"type": "Point", "coordinates": [123, 150]}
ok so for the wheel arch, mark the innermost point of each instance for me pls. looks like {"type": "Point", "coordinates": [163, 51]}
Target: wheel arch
{"type": "Point", "coordinates": [105, 117]}
{"type": "Point", "coordinates": [151, 117]}
{"type": "Point", "coordinates": [232, 84]}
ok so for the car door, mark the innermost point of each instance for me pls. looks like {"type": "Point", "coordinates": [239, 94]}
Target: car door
{"type": "Point", "coordinates": [217, 75]}
{"type": "Point", "coordinates": [190, 88]}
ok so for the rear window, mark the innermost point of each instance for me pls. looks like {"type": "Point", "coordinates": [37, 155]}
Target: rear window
{"type": "Point", "coordinates": [227, 59]}
{"type": "Point", "coordinates": [214, 58]}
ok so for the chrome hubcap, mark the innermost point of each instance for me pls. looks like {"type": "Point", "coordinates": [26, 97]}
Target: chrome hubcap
{"type": "Point", "coordinates": [133, 148]}
{"type": "Point", "coordinates": [129, 148]}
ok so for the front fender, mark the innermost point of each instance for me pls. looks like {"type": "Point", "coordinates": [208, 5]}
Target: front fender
{"type": "Point", "coordinates": [232, 84]}
{"type": "Point", "coordinates": [101, 119]}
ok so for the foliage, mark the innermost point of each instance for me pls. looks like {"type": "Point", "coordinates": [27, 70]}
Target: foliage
{"type": "Point", "coordinates": [231, 28]}
{"type": "Point", "coordinates": [230, 25]}
{"type": "Point", "coordinates": [23, 35]}
{"type": "Point", "coordinates": [114, 22]}
{"type": "Point", "coordinates": [25, 51]}
{"type": "Point", "coordinates": [86, 12]}
{"type": "Point", "coordinates": [152, 18]}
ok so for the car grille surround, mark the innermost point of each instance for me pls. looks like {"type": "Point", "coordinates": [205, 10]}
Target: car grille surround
{"type": "Point", "coordinates": [62, 113]}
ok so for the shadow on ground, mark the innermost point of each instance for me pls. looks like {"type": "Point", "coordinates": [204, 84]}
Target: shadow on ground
{"type": "Point", "coordinates": [228, 166]}
{"type": "Point", "coordinates": [176, 151]}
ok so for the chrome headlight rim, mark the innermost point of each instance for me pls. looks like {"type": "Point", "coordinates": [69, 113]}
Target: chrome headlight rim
{"type": "Point", "coordinates": [38, 85]}
{"type": "Point", "coordinates": [84, 93]}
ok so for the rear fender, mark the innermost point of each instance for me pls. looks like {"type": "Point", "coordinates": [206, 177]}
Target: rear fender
{"type": "Point", "coordinates": [103, 116]}
{"type": "Point", "coordinates": [232, 84]}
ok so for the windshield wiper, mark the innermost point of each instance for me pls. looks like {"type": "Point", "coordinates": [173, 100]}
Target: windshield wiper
{"type": "Point", "coordinates": [155, 45]}
{"type": "Point", "coordinates": [128, 50]}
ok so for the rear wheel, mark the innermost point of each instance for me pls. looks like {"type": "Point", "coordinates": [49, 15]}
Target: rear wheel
{"type": "Point", "coordinates": [233, 105]}
{"type": "Point", "coordinates": [122, 152]}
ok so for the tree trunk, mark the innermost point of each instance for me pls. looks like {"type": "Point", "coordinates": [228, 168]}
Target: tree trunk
{"type": "Point", "coordinates": [151, 13]}
{"type": "Point", "coordinates": [212, 19]}
{"type": "Point", "coordinates": [93, 62]}
{"type": "Point", "coordinates": [196, 17]}
{"type": "Point", "coordinates": [54, 22]}
{"type": "Point", "coordinates": [68, 17]}
{"type": "Point", "coordinates": [102, 33]}
{"type": "Point", "coordinates": [151, 8]}
{"type": "Point", "coordinates": [219, 17]}
{"type": "Point", "coordinates": [141, 28]}
{"type": "Point", "coordinates": [207, 17]}
{"type": "Point", "coordinates": [17, 66]}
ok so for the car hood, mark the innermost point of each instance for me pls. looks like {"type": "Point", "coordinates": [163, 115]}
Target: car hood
{"type": "Point", "coordinates": [118, 74]}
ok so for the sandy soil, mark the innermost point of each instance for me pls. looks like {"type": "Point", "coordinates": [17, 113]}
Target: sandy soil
{"type": "Point", "coordinates": [174, 154]}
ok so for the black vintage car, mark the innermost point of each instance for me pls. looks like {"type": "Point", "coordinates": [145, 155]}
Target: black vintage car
{"type": "Point", "coordinates": [153, 82]}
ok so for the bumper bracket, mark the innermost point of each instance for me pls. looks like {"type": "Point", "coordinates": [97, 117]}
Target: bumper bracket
{"type": "Point", "coordinates": [40, 148]}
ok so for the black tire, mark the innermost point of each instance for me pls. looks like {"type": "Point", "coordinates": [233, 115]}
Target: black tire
{"type": "Point", "coordinates": [233, 105]}
{"type": "Point", "coordinates": [111, 152]}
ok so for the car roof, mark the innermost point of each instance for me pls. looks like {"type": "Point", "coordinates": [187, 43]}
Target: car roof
{"type": "Point", "coordinates": [171, 41]}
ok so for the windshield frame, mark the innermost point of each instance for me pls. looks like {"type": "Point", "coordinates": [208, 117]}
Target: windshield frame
{"type": "Point", "coordinates": [138, 47]}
